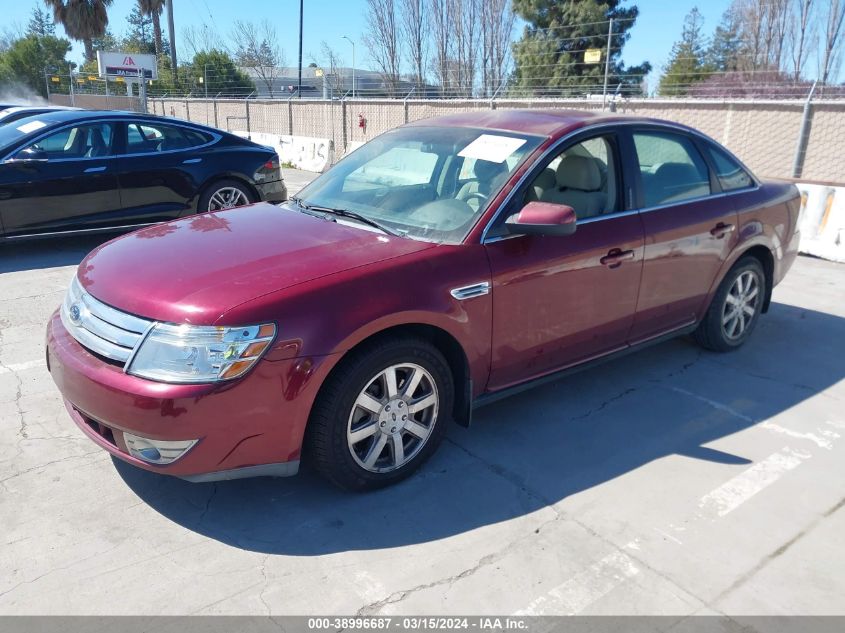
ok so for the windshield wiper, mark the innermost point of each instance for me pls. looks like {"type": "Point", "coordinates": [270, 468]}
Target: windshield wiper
{"type": "Point", "coordinates": [345, 213]}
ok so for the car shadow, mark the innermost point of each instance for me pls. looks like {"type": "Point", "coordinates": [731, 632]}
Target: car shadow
{"type": "Point", "coordinates": [50, 252]}
{"type": "Point", "coordinates": [530, 450]}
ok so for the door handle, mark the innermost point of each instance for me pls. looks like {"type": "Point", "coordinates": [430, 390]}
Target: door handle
{"type": "Point", "coordinates": [94, 170]}
{"type": "Point", "coordinates": [191, 161]}
{"type": "Point", "coordinates": [615, 257]}
{"type": "Point", "coordinates": [721, 230]}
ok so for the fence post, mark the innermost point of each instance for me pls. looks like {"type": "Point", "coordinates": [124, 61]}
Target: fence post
{"type": "Point", "coordinates": [405, 102]}
{"type": "Point", "coordinates": [70, 83]}
{"type": "Point", "coordinates": [493, 98]}
{"type": "Point", "coordinates": [187, 110]}
{"type": "Point", "coordinates": [214, 101]}
{"type": "Point", "coordinates": [343, 123]}
{"type": "Point", "coordinates": [47, 81]}
{"type": "Point", "coordinates": [248, 129]}
{"type": "Point", "coordinates": [803, 135]}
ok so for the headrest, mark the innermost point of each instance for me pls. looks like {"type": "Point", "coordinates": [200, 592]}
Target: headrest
{"type": "Point", "coordinates": [578, 172]}
{"type": "Point", "coordinates": [546, 179]}
{"type": "Point", "coordinates": [485, 170]}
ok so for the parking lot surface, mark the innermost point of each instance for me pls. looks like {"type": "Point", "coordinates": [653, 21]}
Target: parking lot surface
{"type": "Point", "coordinates": [672, 481]}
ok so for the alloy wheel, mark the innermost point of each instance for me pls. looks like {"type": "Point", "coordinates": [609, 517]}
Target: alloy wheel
{"type": "Point", "coordinates": [227, 198]}
{"type": "Point", "coordinates": [740, 305]}
{"type": "Point", "coordinates": [392, 418]}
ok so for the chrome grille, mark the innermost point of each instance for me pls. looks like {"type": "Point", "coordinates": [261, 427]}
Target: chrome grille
{"type": "Point", "coordinates": [101, 328]}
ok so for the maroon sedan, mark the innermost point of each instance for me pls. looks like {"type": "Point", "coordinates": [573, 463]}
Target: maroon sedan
{"type": "Point", "coordinates": [442, 265]}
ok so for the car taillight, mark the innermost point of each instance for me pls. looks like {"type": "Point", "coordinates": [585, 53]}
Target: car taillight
{"type": "Point", "coordinates": [273, 163]}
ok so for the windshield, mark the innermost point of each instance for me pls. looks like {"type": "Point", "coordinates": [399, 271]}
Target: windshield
{"type": "Point", "coordinates": [429, 183]}
{"type": "Point", "coordinates": [20, 128]}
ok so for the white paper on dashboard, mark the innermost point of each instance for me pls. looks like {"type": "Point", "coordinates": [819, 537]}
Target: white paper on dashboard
{"type": "Point", "coordinates": [26, 128]}
{"type": "Point", "coordinates": [491, 147]}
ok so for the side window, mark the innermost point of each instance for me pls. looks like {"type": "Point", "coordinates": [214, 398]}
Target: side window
{"type": "Point", "coordinates": [583, 176]}
{"type": "Point", "coordinates": [731, 176]}
{"type": "Point", "coordinates": [672, 170]}
{"type": "Point", "coordinates": [142, 138]}
{"type": "Point", "coordinates": [82, 141]}
{"type": "Point", "coordinates": [397, 167]}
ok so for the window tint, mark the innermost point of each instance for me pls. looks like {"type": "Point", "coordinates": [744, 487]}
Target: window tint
{"type": "Point", "coordinates": [672, 169]}
{"type": "Point", "coordinates": [731, 175]}
{"type": "Point", "coordinates": [583, 177]}
{"type": "Point", "coordinates": [397, 167]}
{"type": "Point", "coordinates": [145, 137]}
{"type": "Point", "coordinates": [82, 141]}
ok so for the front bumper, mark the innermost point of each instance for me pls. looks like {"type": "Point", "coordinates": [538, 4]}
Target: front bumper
{"type": "Point", "coordinates": [274, 191]}
{"type": "Point", "coordinates": [250, 427]}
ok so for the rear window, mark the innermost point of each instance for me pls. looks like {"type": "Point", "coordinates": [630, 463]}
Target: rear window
{"type": "Point", "coordinates": [143, 138]}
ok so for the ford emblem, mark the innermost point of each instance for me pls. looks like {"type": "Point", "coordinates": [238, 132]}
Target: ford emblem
{"type": "Point", "coordinates": [75, 313]}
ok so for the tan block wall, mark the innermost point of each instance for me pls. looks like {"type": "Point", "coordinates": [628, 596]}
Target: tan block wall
{"type": "Point", "coordinates": [763, 134]}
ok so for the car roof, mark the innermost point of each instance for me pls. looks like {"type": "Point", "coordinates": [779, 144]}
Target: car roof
{"type": "Point", "coordinates": [551, 123]}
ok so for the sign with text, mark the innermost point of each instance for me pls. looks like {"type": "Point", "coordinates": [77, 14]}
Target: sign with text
{"type": "Point", "coordinates": [592, 56]}
{"type": "Point", "coordinates": [128, 65]}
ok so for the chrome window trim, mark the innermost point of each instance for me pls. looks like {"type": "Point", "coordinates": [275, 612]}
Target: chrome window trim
{"type": "Point", "coordinates": [656, 126]}
{"type": "Point", "coordinates": [215, 138]}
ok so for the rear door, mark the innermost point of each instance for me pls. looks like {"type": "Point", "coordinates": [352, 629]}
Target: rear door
{"type": "Point", "coordinates": [690, 230]}
{"type": "Point", "coordinates": [161, 170]}
{"type": "Point", "coordinates": [73, 187]}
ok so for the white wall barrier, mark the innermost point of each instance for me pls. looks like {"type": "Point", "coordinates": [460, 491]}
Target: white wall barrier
{"type": "Point", "coordinates": [823, 221]}
{"type": "Point", "coordinates": [303, 152]}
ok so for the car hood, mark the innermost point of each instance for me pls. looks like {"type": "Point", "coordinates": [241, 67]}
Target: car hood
{"type": "Point", "coordinates": [196, 269]}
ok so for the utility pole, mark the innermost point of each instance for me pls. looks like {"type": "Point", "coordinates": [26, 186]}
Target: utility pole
{"type": "Point", "coordinates": [171, 30]}
{"type": "Point", "coordinates": [299, 83]}
{"type": "Point", "coordinates": [353, 64]}
{"type": "Point", "coordinates": [607, 63]}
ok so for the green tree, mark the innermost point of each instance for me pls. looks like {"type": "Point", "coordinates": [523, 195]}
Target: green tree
{"type": "Point", "coordinates": [222, 74]}
{"type": "Point", "coordinates": [40, 23]}
{"type": "Point", "coordinates": [549, 58]}
{"type": "Point", "coordinates": [687, 61]}
{"type": "Point", "coordinates": [29, 58]}
{"type": "Point", "coordinates": [83, 20]}
{"type": "Point", "coordinates": [139, 38]}
{"type": "Point", "coordinates": [727, 48]}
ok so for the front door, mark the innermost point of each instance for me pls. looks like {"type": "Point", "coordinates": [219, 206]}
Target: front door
{"type": "Point", "coordinates": [558, 301]}
{"type": "Point", "coordinates": [71, 185]}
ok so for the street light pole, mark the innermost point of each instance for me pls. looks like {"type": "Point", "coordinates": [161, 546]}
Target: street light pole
{"type": "Point", "coordinates": [353, 64]}
{"type": "Point", "coordinates": [299, 83]}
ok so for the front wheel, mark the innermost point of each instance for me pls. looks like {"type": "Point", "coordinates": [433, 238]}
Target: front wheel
{"type": "Point", "coordinates": [224, 194]}
{"type": "Point", "coordinates": [381, 414]}
{"type": "Point", "coordinates": [735, 308]}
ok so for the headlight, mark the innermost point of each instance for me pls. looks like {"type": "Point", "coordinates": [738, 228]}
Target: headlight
{"type": "Point", "coordinates": [194, 354]}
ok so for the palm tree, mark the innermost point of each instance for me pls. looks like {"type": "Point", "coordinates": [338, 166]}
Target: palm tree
{"type": "Point", "coordinates": [153, 8]}
{"type": "Point", "coordinates": [84, 20]}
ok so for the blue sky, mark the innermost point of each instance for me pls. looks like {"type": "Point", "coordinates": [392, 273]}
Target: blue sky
{"type": "Point", "coordinates": [658, 26]}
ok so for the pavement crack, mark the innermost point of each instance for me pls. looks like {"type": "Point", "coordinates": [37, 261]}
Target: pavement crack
{"type": "Point", "coordinates": [604, 404]}
{"type": "Point", "coordinates": [398, 596]}
{"type": "Point", "coordinates": [208, 503]}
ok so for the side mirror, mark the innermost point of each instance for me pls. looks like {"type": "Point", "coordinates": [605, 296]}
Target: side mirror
{"type": "Point", "coordinates": [30, 155]}
{"type": "Point", "coordinates": [543, 218]}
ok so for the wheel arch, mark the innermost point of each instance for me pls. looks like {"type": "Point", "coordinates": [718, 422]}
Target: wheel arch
{"type": "Point", "coordinates": [444, 342]}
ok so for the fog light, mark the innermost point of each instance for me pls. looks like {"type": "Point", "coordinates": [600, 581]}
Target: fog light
{"type": "Point", "coordinates": [156, 451]}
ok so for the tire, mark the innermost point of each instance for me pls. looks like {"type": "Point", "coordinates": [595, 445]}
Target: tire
{"type": "Point", "coordinates": [222, 192]}
{"type": "Point", "coordinates": [343, 435]}
{"type": "Point", "coordinates": [735, 308]}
